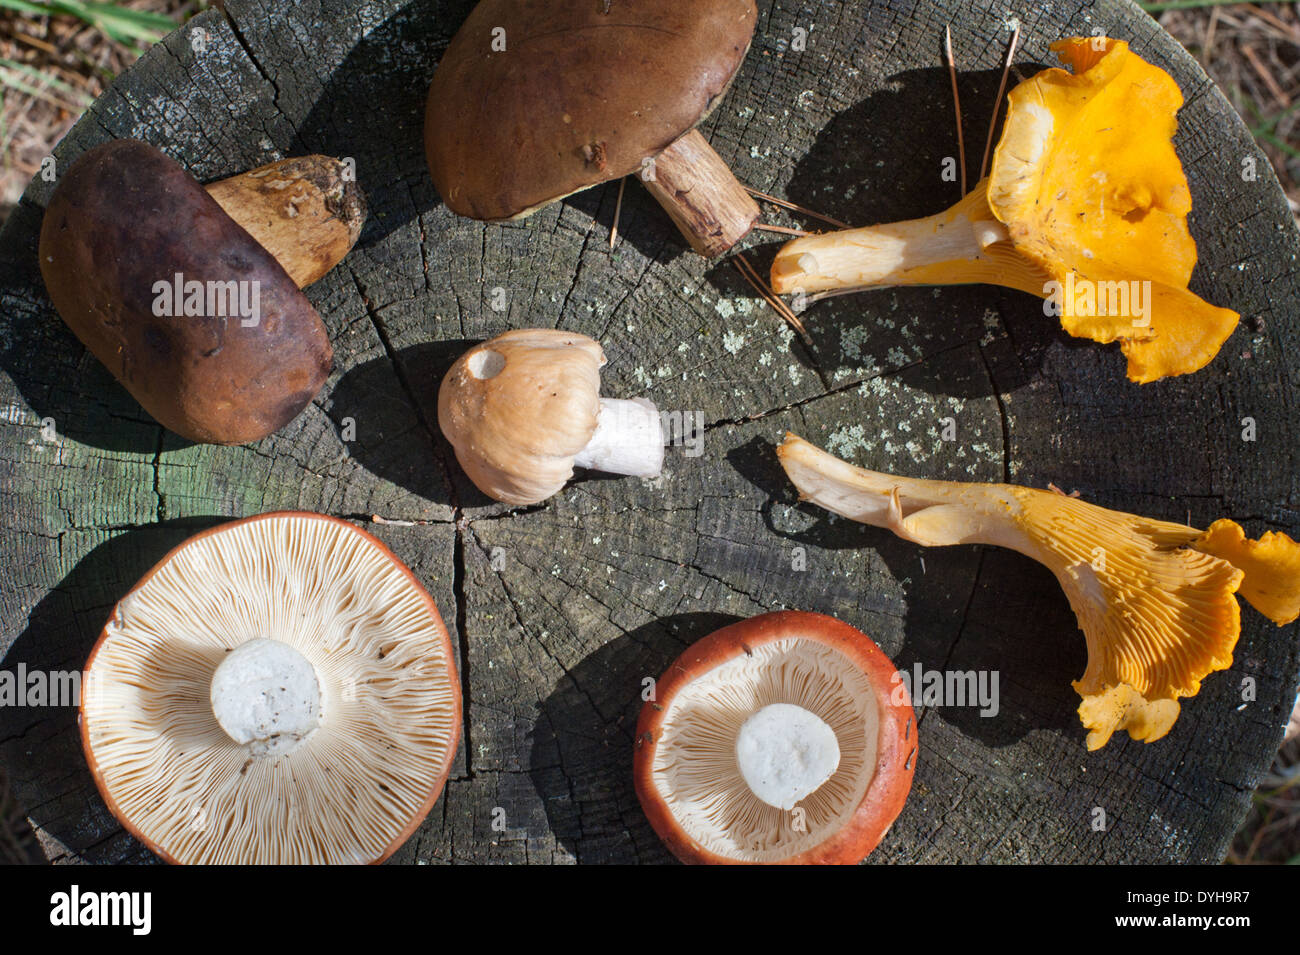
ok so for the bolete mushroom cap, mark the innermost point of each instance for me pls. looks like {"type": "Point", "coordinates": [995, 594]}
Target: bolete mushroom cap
{"type": "Point", "coordinates": [686, 768]}
{"type": "Point", "coordinates": [125, 217]}
{"type": "Point", "coordinates": [185, 730]}
{"type": "Point", "coordinates": [579, 95]}
{"type": "Point", "coordinates": [519, 408]}
{"type": "Point", "coordinates": [1154, 599]}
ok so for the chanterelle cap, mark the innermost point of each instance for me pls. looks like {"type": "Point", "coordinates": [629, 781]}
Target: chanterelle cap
{"type": "Point", "coordinates": [784, 738]}
{"type": "Point", "coordinates": [577, 96]}
{"type": "Point", "coordinates": [279, 689]}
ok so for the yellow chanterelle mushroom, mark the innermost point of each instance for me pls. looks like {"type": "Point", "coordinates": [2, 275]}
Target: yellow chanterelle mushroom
{"type": "Point", "coordinates": [1085, 205]}
{"type": "Point", "coordinates": [1154, 599]}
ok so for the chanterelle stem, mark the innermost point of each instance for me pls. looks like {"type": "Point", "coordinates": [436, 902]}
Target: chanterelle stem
{"type": "Point", "coordinates": [962, 245]}
{"type": "Point", "coordinates": [629, 439]}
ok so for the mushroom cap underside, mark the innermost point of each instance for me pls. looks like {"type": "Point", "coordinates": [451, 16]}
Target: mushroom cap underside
{"type": "Point", "coordinates": [685, 765]}
{"type": "Point", "coordinates": [357, 786]}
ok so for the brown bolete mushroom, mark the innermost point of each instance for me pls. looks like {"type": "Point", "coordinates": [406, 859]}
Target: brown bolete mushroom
{"type": "Point", "coordinates": [190, 295]}
{"type": "Point", "coordinates": [534, 101]}
{"type": "Point", "coordinates": [1154, 599]}
{"type": "Point", "coordinates": [785, 738]}
{"type": "Point", "coordinates": [1085, 205]}
{"type": "Point", "coordinates": [279, 689]}
{"type": "Point", "coordinates": [522, 409]}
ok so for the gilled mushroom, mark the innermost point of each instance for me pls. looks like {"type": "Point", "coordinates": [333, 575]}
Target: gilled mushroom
{"type": "Point", "coordinates": [534, 101]}
{"type": "Point", "coordinates": [785, 738]}
{"type": "Point", "coordinates": [190, 295]}
{"type": "Point", "coordinates": [279, 689]}
{"type": "Point", "coordinates": [1085, 204]}
{"type": "Point", "coordinates": [522, 409]}
{"type": "Point", "coordinates": [1154, 599]}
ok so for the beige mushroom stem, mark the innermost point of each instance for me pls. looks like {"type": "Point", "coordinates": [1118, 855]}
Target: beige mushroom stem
{"type": "Point", "coordinates": [306, 211]}
{"type": "Point", "coordinates": [695, 187]}
{"type": "Point", "coordinates": [932, 513]}
{"type": "Point", "coordinates": [628, 439]}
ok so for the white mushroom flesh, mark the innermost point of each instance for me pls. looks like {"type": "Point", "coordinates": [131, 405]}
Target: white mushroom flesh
{"type": "Point", "coordinates": [785, 753]}
{"type": "Point", "coordinates": [388, 698]}
{"type": "Point", "coordinates": [629, 439]}
{"type": "Point", "coordinates": [696, 770]}
{"type": "Point", "coordinates": [486, 364]}
{"type": "Point", "coordinates": [265, 695]}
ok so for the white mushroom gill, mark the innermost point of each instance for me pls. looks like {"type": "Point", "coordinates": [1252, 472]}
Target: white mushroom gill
{"type": "Point", "coordinates": [697, 772]}
{"type": "Point", "coordinates": [388, 698]}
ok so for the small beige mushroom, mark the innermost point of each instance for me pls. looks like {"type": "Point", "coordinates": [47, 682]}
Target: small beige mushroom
{"type": "Point", "coordinates": [523, 409]}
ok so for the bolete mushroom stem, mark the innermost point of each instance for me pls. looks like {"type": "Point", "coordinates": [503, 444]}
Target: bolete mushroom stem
{"type": "Point", "coordinates": [306, 211]}
{"type": "Point", "coordinates": [266, 696]}
{"type": "Point", "coordinates": [629, 439]}
{"type": "Point", "coordinates": [697, 189]}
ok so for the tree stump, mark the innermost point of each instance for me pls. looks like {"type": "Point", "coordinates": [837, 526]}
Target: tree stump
{"type": "Point", "coordinates": [561, 610]}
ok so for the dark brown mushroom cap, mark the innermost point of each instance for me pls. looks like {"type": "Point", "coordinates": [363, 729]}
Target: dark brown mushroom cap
{"type": "Point", "coordinates": [579, 96]}
{"type": "Point", "coordinates": [125, 217]}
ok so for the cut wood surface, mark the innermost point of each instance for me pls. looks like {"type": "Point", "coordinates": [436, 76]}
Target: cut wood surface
{"type": "Point", "coordinates": [561, 610]}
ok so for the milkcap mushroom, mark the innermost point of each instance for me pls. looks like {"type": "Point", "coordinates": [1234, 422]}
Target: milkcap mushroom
{"type": "Point", "coordinates": [190, 295]}
{"type": "Point", "coordinates": [534, 101]}
{"type": "Point", "coordinates": [1085, 203]}
{"type": "Point", "coordinates": [279, 689]}
{"type": "Point", "coordinates": [523, 409]}
{"type": "Point", "coordinates": [785, 738]}
{"type": "Point", "coordinates": [1154, 599]}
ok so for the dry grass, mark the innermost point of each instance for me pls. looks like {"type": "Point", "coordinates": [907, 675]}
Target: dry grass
{"type": "Point", "coordinates": [1252, 50]}
{"type": "Point", "coordinates": [52, 67]}
{"type": "Point", "coordinates": [1271, 833]}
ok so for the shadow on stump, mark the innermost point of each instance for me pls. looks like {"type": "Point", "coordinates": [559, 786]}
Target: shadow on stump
{"type": "Point", "coordinates": [42, 745]}
{"type": "Point", "coordinates": [581, 755]}
{"type": "Point", "coordinates": [392, 440]}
